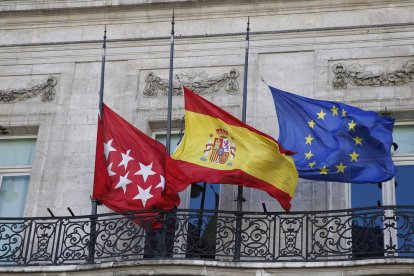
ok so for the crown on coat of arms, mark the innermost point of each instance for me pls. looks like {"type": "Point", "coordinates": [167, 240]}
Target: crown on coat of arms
{"type": "Point", "coordinates": [222, 133]}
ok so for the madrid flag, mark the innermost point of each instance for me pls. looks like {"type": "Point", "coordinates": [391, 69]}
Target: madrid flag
{"type": "Point", "coordinates": [219, 148]}
{"type": "Point", "coordinates": [130, 168]}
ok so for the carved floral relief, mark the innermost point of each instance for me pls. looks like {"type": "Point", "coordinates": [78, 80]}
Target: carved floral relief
{"type": "Point", "coordinates": [36, 87]}
{"type": "Point", "coordinates": [199, 82]}
{"type": "Point", "coordinates": [356, 75]}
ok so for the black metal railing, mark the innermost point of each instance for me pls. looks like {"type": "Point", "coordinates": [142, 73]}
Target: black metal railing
{"type": "Point", "coordinates": [378, 232]}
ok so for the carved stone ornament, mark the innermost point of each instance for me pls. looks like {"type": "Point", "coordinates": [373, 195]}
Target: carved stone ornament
{"type": "Point", "coordinates": [199, 82]}
{"type": "Point", "coordinates": [355, 75]}
{"type": "Point", "coordinates": [34, 88]}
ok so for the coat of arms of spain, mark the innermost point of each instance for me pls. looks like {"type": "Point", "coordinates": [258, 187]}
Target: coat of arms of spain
{"type": "Point", "coordinates": [222, 150]}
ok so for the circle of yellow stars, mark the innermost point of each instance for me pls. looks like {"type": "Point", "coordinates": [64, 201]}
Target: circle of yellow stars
{"type": "Point", "coordinates": [353, 157]}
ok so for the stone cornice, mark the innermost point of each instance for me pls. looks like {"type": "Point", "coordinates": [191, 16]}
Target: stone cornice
{"type": "Point", "coordinates": [286, 6]}
{"type": "Point", "coordinates": [287, 33]}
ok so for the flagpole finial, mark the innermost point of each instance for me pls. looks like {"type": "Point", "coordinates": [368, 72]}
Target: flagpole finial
{"type": "Point", "coordinates": [104, 37]}
{"type": "Point", "coordinates": [248, 28]}
{"type": "Point", "coordinates": [172, 23]}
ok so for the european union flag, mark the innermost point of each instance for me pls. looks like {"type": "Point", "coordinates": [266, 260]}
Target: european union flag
{"type": "Point", "coordinates": [334, 141]}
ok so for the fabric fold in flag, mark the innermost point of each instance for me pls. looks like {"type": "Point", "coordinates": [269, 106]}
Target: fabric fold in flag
{"type": "Point", "coordinates": [219, 148]}
{"type": "Point", "coordinates": [334, 141]}
{"type": "Point", "coordinates": [131, 168]}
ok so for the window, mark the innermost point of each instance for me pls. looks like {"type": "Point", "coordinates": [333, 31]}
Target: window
{"type": "Point", "coordinates": [404, 161]}
{"type": "Point", "coordinates": [202, 226]}
{"type": "Point", "coordinates": [16, 157]}
{"type": "Point", "coordinates": [397, 191]}
{"type": "Point", "coordinates": [402, 186]}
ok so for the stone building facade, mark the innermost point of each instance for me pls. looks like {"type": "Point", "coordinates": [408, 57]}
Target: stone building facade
{"type": "Point", "coordinates": [356, 52]}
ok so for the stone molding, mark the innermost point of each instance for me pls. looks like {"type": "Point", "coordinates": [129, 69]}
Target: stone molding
{"type": "Point", "coordinates": [355, 75]}
{"type": "Point", "coordinates": [203, 267]}
{"type": "Point", "coordinates": [36, 87]}
{"type": "Point", "coordinates": [199, 82]}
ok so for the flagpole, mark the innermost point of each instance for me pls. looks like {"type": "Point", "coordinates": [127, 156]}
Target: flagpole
{"type": "Point", "coordinates": [101, 89]}
{"type": "Point", "coordinates": [101, 93]}
{"type": "Point", "coordinates": [240, 198]}
{"type": "Point", "coordinates": [94, 202]}
{"type": "Point", "coordinates": [170, 87]}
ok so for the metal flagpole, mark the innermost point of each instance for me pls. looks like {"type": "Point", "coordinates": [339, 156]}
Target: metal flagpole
{"type": "Point", "coordinates": [94, 202]}
{"type": "Point", "coordinates": [170, 87]}
{"type": "Point", "coordinates": [165, 249]}
{"type": "Point", "coordinates": [240, 198]}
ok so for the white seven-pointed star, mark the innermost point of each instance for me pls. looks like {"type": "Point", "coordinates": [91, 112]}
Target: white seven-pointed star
{"type": "Point", "coordinates": [108, 148]}
{"type": "Point", "coordinates": [125, 159]}
{"type": "Point", "coordinates": [109, 169]}
{"type": "Point", "coordinates": [145, 171]}
{"type": "Point", "coordinates": [144, 195]}
{"type": "Point", "coordinates": [123, 182]}
{"type": "Point", "coordinates": [161, 184]}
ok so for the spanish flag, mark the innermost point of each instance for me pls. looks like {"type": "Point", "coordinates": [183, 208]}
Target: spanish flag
{"type": "Point", "coordinates": [219, 148]}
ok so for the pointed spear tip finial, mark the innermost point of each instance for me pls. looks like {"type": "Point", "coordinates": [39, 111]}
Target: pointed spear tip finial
{"type": "Point", "coordinates": [248, 29]}
{"type": "Point", "coordinates": [172, 23]}
{"type": "Point", "coordinates": [104, 43]}
{"type": "Point", "coordinates": [173, 17]}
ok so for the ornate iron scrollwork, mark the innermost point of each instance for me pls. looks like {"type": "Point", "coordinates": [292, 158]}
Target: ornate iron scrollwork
{"type": "Point", "coordinates": [356, 76]}
{"type": "Point", "coordinates": [351, 234]}
{"type": "Point", "coordinates": [199, 82]}
{"type": "Point", "coordinates": [34, 88]}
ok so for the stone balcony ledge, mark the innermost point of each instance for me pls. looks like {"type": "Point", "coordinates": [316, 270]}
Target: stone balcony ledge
{"type": "Point", "coordinates": [200, 267]}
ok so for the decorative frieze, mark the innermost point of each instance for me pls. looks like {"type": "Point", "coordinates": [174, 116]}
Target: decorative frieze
{"type": "Point", "coordinates": [46, 89]}
{"type": "Point", "coordinates": [355, 75]}
{"type": "Point", "coordinates": [199, 82]}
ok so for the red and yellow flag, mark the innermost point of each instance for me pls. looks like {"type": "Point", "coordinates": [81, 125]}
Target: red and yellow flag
{"type": "Point", "coordinates": [219, 148]}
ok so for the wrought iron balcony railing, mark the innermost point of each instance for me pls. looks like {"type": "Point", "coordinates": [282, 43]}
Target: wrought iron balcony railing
{"type": "Point", "coordinates": [379, 232]}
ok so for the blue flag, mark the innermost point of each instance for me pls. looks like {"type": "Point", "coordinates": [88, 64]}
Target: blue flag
{"type": "Point", "coordinates": [334, 141]}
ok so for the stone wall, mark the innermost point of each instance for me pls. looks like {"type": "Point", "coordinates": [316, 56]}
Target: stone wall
{"type": "Point", "coordinates": [312, 48]}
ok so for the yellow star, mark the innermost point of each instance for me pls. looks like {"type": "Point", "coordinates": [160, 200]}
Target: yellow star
{"type": "Point", "coordinates": [354, 156]}
{"type": "Point", "coordinates": [324, 170]}
{"type": "Point", "coordinates": [334, 110]}
{"type": "Point", "coordinates": [358, 140]}
{"type": "Point", "coordinates": [311, 164]}
{"type": "Point", "coordinates": [309, 140]}
{"type": "Point", "coordinates": [311, 124]}
{"type": "Point", "coordinates": [352, 125]}
{"type": "Point", "coordinates": [321, 115]}
{"type": "Point", "coordinates": [308, 155]}
{"type": "Point", "coordinates": [341, 168]}
{"type": "Point", "coordinates": [343, 112]}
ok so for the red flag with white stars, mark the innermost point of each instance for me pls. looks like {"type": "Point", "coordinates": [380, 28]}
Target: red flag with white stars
{"type": "Point", "coordinates": [131, 168]}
